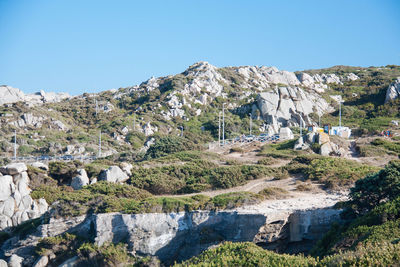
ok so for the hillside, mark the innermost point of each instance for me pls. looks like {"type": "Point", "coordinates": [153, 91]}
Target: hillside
{"type": "Point", "coordinates": [192, 100]}
{"type": "Point", "coordinates": [161, 193]}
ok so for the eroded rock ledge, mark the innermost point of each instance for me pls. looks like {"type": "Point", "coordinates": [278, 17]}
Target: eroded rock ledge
{"type": "Point", "coordinates": [179, 236]}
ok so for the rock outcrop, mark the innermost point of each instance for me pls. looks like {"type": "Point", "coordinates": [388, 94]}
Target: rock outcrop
{"type": "Point", "coordinates": [12, 95]}
{"type": "Point", "coordinates": [290, 106]}
{"type": "Point", "coordinates": [16, 204]}
{"type": "Point", "coordinates": [393, 91]}
{"type": "Point", "coordinates": [179, 236]}
{"type": "Point", "coordinates": [113, 174]}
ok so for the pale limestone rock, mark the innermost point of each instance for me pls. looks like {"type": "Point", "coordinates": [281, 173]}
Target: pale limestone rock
{"type": "Point", "coordinates": [326, 149]}
{"type": "Point", "coordinates": [6, 183]}
{"type": "Point", "coordinates": [14, 168]}
{"type": "Point", "coordinates": [288, 106]}
{"type": "Point", "coordinates": [114, 175]}
{"type": "Point", "coordinates": [393, 91]}
{"type": "Point", "coordinates": [10, 95]}
{"type": "Point", "coordinates": [5, 222]}
{"type": "Point", "coordinates": [3, 263]}
{"type": "Point", "coordinates": [8, 207]}
{"type": "Point", "coordinates": [15, 261]}
{"type": "Point", "coordinates": [42, 261]}
{"type": "Point", "coordinates": [80, 180]}
{"type": "Point", "coordinates": [40, 165]}
{"type": "Point", "coordinates": [285, 133]}
{"type": "Point", "coordinates": [59, 125]}
{"type": "Point", "coordinates": [72, 262]}
{"type": "Point", "coordinates": [127, 167]}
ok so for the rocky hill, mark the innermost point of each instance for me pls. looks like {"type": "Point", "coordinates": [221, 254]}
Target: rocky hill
{"type": "Point", "coordinates": [129, 118]}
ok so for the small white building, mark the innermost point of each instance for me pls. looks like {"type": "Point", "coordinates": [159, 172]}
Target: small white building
{"type": "Point", "coordinates": [341, 131]}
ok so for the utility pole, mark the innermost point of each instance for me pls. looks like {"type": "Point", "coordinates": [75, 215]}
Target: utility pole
{"type": "Point", "coordinates": [97, 107]}
{"type": "Point", "coordinates": [251, 123]}
{"type": "Point", "coordinates": [340, 113]}
{"type": "Point", "coordinates": [15, 144]}
{"type": "Point", "coordinates": [223, 123]}
{"type": "Point", "coordinates": [219, 129]}
{"type": "Point", "coordinates": [134, 121]}
{"type": "Point", "coordinates": [319, 120]}
{"type": "Point", "coordinates": [99, 144]}
{"type": "Point", "coordinates": [301, 127]}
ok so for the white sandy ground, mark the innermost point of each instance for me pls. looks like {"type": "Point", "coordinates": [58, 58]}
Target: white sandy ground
{"type": "Point", "coordinates": [305, 201]}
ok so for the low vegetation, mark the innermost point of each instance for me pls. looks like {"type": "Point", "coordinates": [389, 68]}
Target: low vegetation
{"type": "Point", "coordinates": [195, 176]}
{"type": "Point", "coordinates": [332, 172]}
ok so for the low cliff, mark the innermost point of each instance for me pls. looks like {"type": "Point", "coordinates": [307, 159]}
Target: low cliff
{"type": "Point", "coordinates": [179, 236]}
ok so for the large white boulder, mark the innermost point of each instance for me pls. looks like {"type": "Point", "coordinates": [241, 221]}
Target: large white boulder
{"type": "Point", "coordinates": [80, 180]}
{"type": "Point", "coordinates": [3, 263]}
{"type": "Point", "coordinates": [393, 91]}
{"type": "Point", "coordinates": [285, 133]}
{"type": "Point", "coordinates": [113, 174]}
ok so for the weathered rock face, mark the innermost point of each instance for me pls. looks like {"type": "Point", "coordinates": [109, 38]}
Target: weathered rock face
{"type": "Point", "coordinates": [393, 91]}
{"type": "Point", "coordinates": [16, 205]}
{"type": "Point", "coordinates": [10, 95]}
{"type": "Point", "coordinates": [178, 236]}
{"type": "Point", "coordinates": [13, 95]}
{"type": "Point", "coordinates": [202, 82]}
{"type": "Point", "coordinates": [287, 106]}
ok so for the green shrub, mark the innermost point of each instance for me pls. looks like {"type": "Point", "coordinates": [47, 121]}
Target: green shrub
{"type": "Point", "coordinates": [245, 254]}
{"type": "Point", "coordinates": [334, 172]}
{"type": "Point", "coordinates": [273, 193]}
{"type": "Point", "coordinates": [389, 145]}
{"type": "Point", "coordinates": [108, 254]}
{"type": "Point", "coordinates": [236, 150]}
{"type": "Point", "coordinates": [168, 145]}
{"type": "Point", "coordinates": [377, 188]}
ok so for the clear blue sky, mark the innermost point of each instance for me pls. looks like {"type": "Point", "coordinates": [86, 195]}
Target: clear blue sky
{"type": "Point", "coordinates": [92, 45]}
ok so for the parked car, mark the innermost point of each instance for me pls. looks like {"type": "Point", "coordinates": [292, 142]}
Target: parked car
{"type": "Point", "coordinates": [44, 157]}
{"type": "Point", "coordinates": [250, 138]}
{"type": "Point", "coordinates": [67, 157]}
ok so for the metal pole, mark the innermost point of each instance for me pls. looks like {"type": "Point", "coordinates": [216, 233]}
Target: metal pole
{"type": "Point", "coordinates": [96, 108]}
{"type": "Point", "coordinates": [134, 121]}
{"type": "Point", "coordinates": [319, 120]}
{"type": "Point", "coordinates": [15, 144]}
{"type": "Point", "coordinates": [100, 144]}
{"type": "Point", "coordinates": [219, 129]}
{"type": "Point", "coordinates": [340, 114]}
{"type": "Point", "coordinates": [223, 123]}
{"type": "Point", "coordinates": [251, 126]}
{"type": "Point", "coordinates": [301, 127]}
